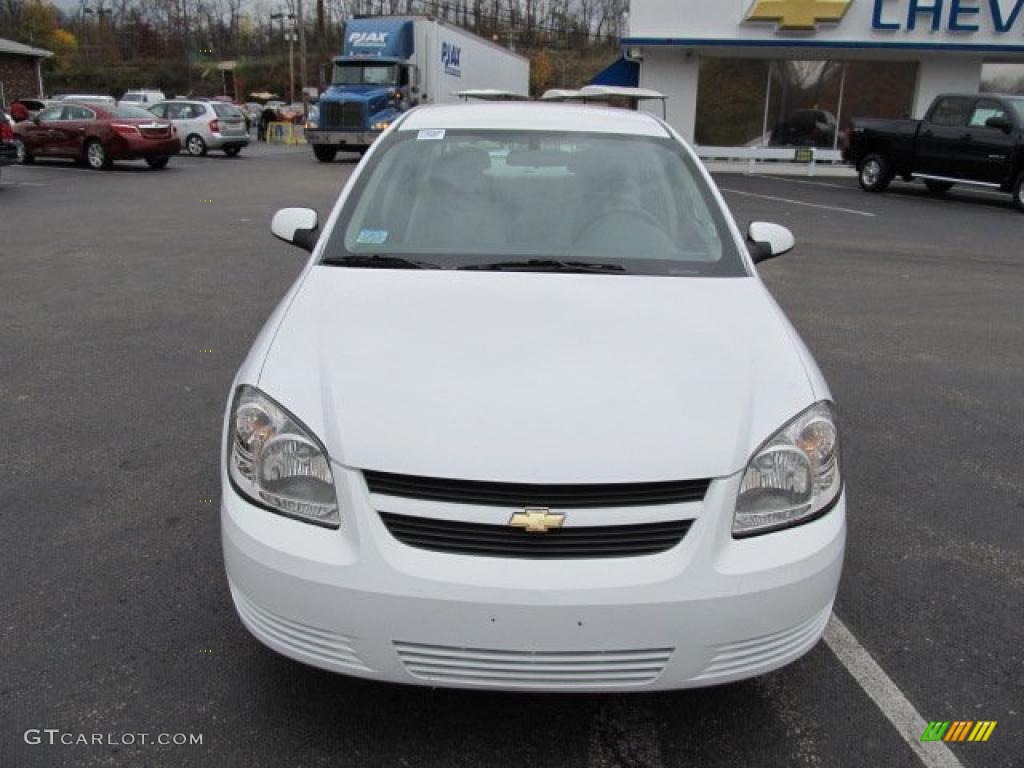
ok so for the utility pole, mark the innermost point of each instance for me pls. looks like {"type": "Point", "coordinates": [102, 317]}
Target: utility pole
{"type": "Point", "coordinates": [291, 67]}
{"type": "Point", "coordinates": [290, 37]}
{"type": "Point", "coordinates": [188, 53]}
{"type": "Point", "coordinates": [81, 33]}
{"type": "Point", "coordinates": [302, 48]}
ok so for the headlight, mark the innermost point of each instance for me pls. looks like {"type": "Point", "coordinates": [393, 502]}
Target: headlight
{"type": "Point", "coordinates": [792, 478]}
{"type": "Point", "coordinates": [381, 126]}
{"type": "Point", "coordinates": [274, 461]}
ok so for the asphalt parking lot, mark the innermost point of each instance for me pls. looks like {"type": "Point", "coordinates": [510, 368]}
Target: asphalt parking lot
{"type": "Point", "coordinates": [128, 300]}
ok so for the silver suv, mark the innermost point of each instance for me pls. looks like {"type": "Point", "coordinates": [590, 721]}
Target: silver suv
{"type": "Point", "coordinates": [204, 125]}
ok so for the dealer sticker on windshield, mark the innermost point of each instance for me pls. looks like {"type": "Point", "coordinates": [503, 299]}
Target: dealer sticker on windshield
{"type": "Point", "coordinates": [372, 237]}
{"type": "Point", "coordinates": [430, 134]}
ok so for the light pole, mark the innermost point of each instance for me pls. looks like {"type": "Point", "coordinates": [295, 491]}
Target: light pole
{"type": "Point", "coordinates": [290, 37]}
{"type": "Point", "coordinates": [302, 48]}
{"type": "Point", "coordinates": [188, 52]}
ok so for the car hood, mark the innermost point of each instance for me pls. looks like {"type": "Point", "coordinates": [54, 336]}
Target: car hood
{"type": "Point", "coordinates": [526, 377]}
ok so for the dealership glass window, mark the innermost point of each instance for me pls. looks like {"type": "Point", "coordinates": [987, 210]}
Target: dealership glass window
{"type": "Point", "coordinates": [758, 103]}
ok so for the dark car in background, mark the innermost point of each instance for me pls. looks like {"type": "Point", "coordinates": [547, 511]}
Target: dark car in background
{"type": "Point", "coordinates": [806, 128]}
{"type": "Point", "coordinates": [97, 135]}
{"type": "Point", "coordinates": [8, 151]}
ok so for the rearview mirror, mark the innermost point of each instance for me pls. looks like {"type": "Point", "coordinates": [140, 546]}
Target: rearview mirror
{"type": "Point", "coordinates": [769, 240]}
{"type": "Point", "coordinates": [296, 226]}
{"type": "Point", "coordinates": [1000, 122]}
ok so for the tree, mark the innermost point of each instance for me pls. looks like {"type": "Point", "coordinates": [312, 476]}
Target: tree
{"type": "Point", "coordinates": [541, 71]}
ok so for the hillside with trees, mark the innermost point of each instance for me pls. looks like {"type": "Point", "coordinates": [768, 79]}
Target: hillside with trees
{"type": "Point", "coordinates": [179, 46]}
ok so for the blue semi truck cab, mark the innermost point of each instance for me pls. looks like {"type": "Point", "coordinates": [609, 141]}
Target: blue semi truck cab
{"type": "Point", "coordinates": [389, 64]}
{"type": "Point", "coordinates": [374, 80]}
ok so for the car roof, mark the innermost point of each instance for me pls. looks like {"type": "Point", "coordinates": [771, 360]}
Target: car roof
{"type": "Point", "coordinates": [520, 116]}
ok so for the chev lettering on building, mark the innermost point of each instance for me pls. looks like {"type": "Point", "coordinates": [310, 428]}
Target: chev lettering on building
{"type": "Point", "coordinates": [451, 56]}
{"type": "Point", "coordinates": [962, 16]}
{"type": "Point", "coordinates": [368, 39]}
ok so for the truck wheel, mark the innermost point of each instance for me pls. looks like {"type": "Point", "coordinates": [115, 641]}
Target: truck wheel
{"type": "Point", "coordinates": [1018, 193]}
{"type": "Point", "coordinates": [938, 188]}
{"type": "Point", "coordinates": [874, 174]}
{"type": "Point", "coordinates": [325, 153]}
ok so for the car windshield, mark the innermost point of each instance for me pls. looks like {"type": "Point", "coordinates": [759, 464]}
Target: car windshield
{"type": "Point", "coordinates": [128, 112]}
{"type": "Point", "coordinates": [365, 74]}
{"type": "Point", "coordinates": [132, 97]}
{"type": "Point", "coordinates": [534, 200]}
{"type": "Point", "coordinates": [225, 110]}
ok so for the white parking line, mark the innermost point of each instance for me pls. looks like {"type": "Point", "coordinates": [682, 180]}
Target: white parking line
{"type": "Point", "coordinates": [885, 693]}
{"type": "Point", "coordinates": [800, 181]}
{"type": "Point", "coordinates": [850, 211]}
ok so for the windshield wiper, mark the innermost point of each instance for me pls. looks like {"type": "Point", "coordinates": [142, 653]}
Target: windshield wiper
{"type": "Point", "coordinates": [545, 265]}
{"type": "Point", "coordinates": [378, 261]}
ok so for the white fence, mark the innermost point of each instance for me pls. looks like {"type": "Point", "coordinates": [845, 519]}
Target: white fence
{"type": "Point", "coordinates": [808, 156]}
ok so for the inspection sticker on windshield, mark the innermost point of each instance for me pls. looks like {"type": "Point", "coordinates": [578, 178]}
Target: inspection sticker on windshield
{"type": "Point", "coordinates": [372, 236]}
{"type": "Point", "coordinates": [430, 134]}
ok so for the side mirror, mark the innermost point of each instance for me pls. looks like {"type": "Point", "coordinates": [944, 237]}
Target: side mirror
{"type": "Point", "coordinates": [999, 122]}
{"type": "Point", "coordinates": [296, 226]}
{"type": "Point", "coordinates": [769, 240]}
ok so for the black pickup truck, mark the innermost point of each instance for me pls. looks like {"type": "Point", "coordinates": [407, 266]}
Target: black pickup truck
{"type": "Point", "coordinates": [964, 139]}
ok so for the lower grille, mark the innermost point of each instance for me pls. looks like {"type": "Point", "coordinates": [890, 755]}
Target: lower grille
{"type": "Point", "coordinates": [561, 496]}
{"type": "Point", "coordinates": [532, 669]}
{"type": "Point", "coordinates": [752, 655]}
{"type": "Point", "coordinates": [341, 115]}
{"type": "Point", "coordinates": [316, 645]}
{"type": "Point", "coordinates": [563, 543]}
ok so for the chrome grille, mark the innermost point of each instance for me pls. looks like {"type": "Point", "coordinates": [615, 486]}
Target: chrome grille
{"type": "Point", "coordinates": [343, 115]}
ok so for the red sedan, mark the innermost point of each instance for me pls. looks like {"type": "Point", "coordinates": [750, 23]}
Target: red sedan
{"type": "Point", "coordinates": [97, 134]}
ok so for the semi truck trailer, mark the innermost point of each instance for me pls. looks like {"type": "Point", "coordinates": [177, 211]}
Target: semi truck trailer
{"type": "Point", "coordinates": [390, 64]}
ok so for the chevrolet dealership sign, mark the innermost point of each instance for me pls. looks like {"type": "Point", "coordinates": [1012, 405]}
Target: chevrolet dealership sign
{"type": "Point", "coordinates": [981, 25]}
{"type": "Point", "coordinates": [798, 14]}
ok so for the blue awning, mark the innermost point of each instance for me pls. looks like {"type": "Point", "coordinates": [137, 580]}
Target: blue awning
{"type": "Point", "coordinates": [619, 72]}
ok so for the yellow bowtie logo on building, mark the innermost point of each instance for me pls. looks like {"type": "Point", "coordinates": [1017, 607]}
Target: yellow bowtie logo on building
{"type": "Point", "coordinates": [799, 14]}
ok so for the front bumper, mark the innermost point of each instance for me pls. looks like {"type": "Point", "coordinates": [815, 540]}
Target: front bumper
{"type": "Point", "coordinates": [342, 139]}
{"type": "Point", "coordinates": [711, 610]}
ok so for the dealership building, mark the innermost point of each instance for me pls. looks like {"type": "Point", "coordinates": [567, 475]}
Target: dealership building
{"type": "Point", "coordinates": [756, 74]}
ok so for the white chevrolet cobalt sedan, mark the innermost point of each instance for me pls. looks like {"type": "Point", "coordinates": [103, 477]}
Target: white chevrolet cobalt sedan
{"type": "Point", "coordinates": [529, 419]}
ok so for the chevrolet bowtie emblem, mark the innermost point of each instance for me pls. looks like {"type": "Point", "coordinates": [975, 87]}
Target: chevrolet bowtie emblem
{"type": "Point", "coordinates": [536, 520]}
{"type": "Point", "coordinates": [799, 14]}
